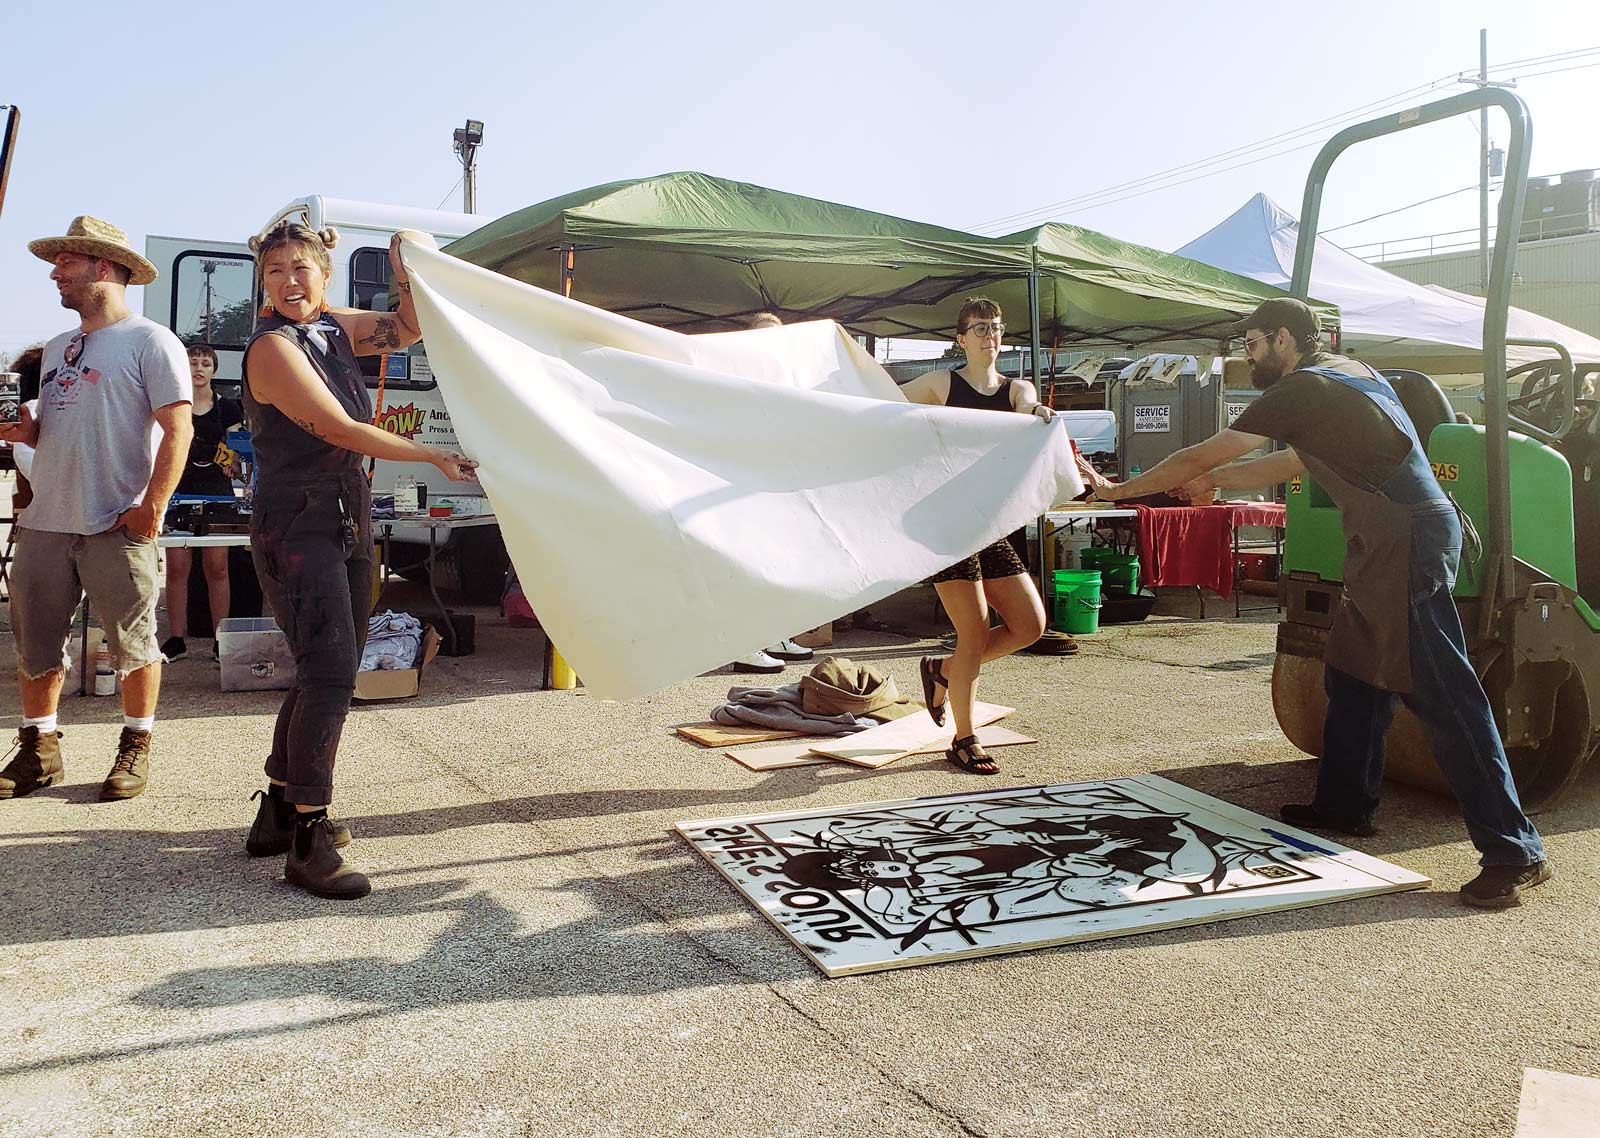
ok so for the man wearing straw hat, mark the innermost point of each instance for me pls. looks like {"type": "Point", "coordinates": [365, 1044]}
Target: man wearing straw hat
{"type": "Point", "coordinates": [101, 483]}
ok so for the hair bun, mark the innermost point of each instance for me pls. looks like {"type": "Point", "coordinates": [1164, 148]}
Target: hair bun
{"type": "Point", "coordinates": [255, 244]}
{"type": "Point", "coordinates": [329, 236]}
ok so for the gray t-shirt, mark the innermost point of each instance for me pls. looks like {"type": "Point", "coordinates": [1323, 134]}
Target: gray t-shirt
{"type": "Point", "coordinates": [97, 428]}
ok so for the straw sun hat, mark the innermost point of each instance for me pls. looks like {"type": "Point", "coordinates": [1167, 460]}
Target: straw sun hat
{"type": "Point", "coordinates": [95, 238]}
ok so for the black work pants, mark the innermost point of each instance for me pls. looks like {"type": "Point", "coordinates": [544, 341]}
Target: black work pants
{"type": "Point", "coordinates": [312, 544]}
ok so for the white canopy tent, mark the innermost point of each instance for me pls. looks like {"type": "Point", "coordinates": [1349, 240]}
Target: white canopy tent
{"type": "Point", "coordinates": [1387, 321]}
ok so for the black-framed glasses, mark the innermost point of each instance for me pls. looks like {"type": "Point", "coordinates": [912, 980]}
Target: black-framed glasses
{"type": "Point", "coordinates": [73, 352]}
{"type": "Point", "coordinates": [987, 328]}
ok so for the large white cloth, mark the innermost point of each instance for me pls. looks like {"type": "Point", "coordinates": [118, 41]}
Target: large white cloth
{"type": "Point", "coordinates": [671, 502]}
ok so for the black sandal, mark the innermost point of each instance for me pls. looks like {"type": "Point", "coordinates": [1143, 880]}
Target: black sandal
{"type": "Point", "coordinates": [969, 756]}
{"type": "Point", "coordinates": [933, 679]}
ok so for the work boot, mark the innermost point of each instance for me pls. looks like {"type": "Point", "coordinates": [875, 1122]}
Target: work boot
{"type": "Point", "coordinates": [1308, 817]}
{"type": "Point", "coordinates": [37, 763]}
{"type": "Point", "coordinates": [131, 769]}
{"type": "Point", "coordinates": [1501, 886]}
{"type": "Point", "coordinates": [272, 833]}
{"type": "Point", "coordinates": [315, 865]}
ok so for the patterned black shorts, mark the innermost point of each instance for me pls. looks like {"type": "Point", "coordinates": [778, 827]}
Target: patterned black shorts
{"type": "Point", "coordinates": [988, 564]}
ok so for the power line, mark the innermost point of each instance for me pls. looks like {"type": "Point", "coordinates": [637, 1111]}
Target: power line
{"type": "Point", "coordinates": [1400, 209]}
{"type": "Point", "coordinates": [450, 191]}
{"type": "Point", "coordinates": [1283, 136]}
{"type": "Point", "coordinates": [1557, 70]}
{"type": "Point", "coordinates": [1163, 180]}
{"type": "Point", "coordinates": [1536, 59]}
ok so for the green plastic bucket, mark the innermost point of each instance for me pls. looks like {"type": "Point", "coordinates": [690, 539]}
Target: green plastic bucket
{"type": "Point", "coordinates": [1090, 557]}
{"type": "Point", "coordinates": [1077, 601]}
{"type": "Point", "coordinates": [1120, 572]}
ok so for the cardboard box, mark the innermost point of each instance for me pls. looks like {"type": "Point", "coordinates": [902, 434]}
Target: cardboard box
{"type": "Point", "coordinates": [254, 654]}
{"type": "Point", "coordinates": [400, 683]}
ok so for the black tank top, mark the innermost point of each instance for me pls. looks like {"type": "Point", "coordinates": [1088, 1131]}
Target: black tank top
{"type": "Point", "coordinates": [963, 394]}
{"type": "Point", "coordinates": [284, 451]}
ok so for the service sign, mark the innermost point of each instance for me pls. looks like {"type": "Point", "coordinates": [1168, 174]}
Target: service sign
{"type": "Point", "coordinates": [1154, 419]}
{"type": "Point", "coordinates": [1234, 411]}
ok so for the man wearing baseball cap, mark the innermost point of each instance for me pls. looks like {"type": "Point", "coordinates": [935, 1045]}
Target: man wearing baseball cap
{"type": "Point", "coordinates": [1396, 633]}
{"type": "Point", "coordinates": [101, 482]}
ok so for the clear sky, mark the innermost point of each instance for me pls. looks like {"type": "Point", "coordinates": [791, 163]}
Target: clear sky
{"type": "Point", "coordinates": [202, 119]}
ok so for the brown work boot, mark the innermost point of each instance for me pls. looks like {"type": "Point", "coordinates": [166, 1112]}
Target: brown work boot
{"type": "Point", "coordinates": [131, 770]}
{"type": "Point", "coordinates": [272, 833]}
{"type": "Point", "coordinates": [37, 763]}
{"type": "Point", "coordinates": [315, 866]}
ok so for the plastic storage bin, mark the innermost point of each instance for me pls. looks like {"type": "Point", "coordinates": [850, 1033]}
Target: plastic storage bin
{"type": "Point", "coordinates": [255, 655]}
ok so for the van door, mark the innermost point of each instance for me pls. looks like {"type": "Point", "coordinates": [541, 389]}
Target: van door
{"type": "Point", "coordinates": [205, 294]}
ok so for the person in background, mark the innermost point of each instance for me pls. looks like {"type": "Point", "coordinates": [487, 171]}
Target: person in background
{"type": "Point", "coordinates": [311, 528]}
{"type": "Point", "coordinates": [26, 365]}
{"type": "Point", "coordinates": [785, 651]}
{"type": "Point", "coordinates": [995, 577]}
{"type": "Point", "coordinates": [205, 473]}
{"type": "Point", "coordinates": [102, 474]}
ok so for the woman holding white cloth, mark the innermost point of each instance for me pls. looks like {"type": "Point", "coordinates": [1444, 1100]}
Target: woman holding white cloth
{"type": "Point", "coordinates": [995, 577]}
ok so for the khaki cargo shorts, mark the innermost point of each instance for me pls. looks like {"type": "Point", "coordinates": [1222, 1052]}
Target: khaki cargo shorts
{"type": "Point", "coordinates": [50, 572]}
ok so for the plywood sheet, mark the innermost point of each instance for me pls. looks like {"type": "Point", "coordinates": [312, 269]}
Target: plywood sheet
{"type": "Point", "coordinates": [717, 735]}
{"type": "Point", "coordinates": [882, 745]}
{"type": "Point", "coordinates": [1557, 1105]}
{"type": "Point", "coordinates": [896, 884]}
{"type": "Point", "coordinates": [800, 754]}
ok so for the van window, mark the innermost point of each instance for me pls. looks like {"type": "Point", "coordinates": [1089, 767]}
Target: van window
{"type": "Point", "coordinates": [211, 298]}
{"type": "Point", "coordinates": [370, 275]}
{"type": "Point", "coordinates": [369, 279]}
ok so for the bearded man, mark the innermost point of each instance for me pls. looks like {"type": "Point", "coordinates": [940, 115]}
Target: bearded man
{"type": "Point", "coordinates": [1397, 633]}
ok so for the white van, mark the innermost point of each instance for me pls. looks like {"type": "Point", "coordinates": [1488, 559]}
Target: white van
{"type": "Point", "coordinates": [206, 293]}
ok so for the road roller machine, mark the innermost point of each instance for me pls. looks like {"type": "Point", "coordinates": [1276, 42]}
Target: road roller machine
{"type": "Point", "coordinates": [1527, 481]}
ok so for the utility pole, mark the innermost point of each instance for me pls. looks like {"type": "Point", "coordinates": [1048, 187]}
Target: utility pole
{"type": "Point", "coordinates": [208, 267]}
{"type": "Point", "coordinates": [467, 140]}
{"type": "Point", "coordinates": [1483, 166]}
{"type": "Point", "coordinates": [1485, 156]}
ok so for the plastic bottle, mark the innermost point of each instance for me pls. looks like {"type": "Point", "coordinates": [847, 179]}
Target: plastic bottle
{"type": "Point", "coordinates": [405, 495]}
{"type": "Point", "coordinates": [105, 680]}
{"type": "Point", "coordinates": [1134, 471]}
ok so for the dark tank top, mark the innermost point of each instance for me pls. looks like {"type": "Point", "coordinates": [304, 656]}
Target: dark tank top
{"type": "Point", "coordinates": [963, 394]}
{"type": "Point", "coordinates": [284, 451]}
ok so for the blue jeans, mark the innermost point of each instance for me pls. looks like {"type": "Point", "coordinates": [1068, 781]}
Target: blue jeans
{"type": "Point", "coordinates": [1448, 699]}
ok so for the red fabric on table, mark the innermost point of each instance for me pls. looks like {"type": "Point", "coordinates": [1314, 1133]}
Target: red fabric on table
{"type": "Point", "coordinates": [1193, 545]}
{"type": "Point", "coordinates": [1257, 513]}
{"type": "Point", "coordinates": [1186, 545]}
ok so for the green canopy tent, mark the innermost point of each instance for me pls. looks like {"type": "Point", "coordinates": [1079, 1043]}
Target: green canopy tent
{"type": "Point", "coordinates": [1097, 291]}
{"type": "Point", "coordinates": [696, 253]}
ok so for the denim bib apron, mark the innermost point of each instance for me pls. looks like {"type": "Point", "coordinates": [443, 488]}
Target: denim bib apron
{"type": "Point", "coordinates": [1402, 543]}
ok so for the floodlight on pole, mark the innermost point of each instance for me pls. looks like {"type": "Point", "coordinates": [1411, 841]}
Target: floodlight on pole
{"type": "Point", "coordinates": [467, 140]}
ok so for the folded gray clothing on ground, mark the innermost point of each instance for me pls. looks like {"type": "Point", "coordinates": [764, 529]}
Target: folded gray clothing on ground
{"type": "Point", "coordinates": [392, 642]}
{"type": "Point", "coordinates": [780, 709]}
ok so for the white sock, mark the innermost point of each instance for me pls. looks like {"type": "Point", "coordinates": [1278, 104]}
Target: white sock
{"type": "Point", "coordinates": [45, 723]}
{"type": "Point", "coordinates": [135, 723]}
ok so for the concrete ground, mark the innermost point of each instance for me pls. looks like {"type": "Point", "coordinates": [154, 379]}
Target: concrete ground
{"type": "Point", "coordinates": [541, 956]}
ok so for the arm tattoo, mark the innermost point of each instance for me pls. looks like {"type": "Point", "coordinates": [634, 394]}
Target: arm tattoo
{"type": "Point", "coordinates": [306, 425]}
{"type": "Point", "coordinates": [404, 286]}
{"type": "Point", "coordinates": [384, 335]}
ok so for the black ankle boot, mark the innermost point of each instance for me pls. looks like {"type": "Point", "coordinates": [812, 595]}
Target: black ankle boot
{"type": "Point", "coordinates": [273, 830]}
{"type": "Point", "coordinates": [315, 865]}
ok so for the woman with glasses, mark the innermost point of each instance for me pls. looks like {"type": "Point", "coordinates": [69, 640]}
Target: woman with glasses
{"type": "Point", "coordinates": [995, 577]}
{"type": "Point", "coordinates": [206, 473]}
